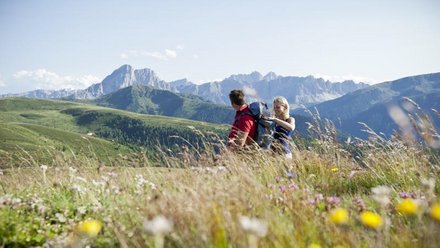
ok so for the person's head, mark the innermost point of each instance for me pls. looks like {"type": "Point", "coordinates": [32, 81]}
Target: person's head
{"type": "Point", "coordinates": [281, 107]}
{"type": "Point", "coordinates": [237, 98]}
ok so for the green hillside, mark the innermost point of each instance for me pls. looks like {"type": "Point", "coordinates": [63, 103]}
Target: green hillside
{"type": "Point", "coordinates": [146, 100]}
{"type": "Point", "coordinates": [43, 129]}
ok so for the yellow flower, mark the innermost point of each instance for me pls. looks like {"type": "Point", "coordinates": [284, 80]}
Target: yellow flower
{"type": "Point", "coordinates": [371, 219]}
{"type": "Point", "coordinates": [313, 245]}
{"type": "Point", "coordinates": [334, 169]}
{"type": "Point", "coordinates": [339, 216]}
{"type": "Point", "coordinates": [91, 227]}
{"type": "Point", "coordinates": [435, 211]}
{"type": "Point", "coordinates": [408, 207]}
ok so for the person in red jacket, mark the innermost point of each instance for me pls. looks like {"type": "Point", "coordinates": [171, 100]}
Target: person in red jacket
{"type": "Point", "coordinates": [244, 128]}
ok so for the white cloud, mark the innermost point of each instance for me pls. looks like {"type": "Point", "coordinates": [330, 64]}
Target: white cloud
{"type": "Point", "coordinates": [342, 78]}
{"type": "Point", "coordinates": [195, 56]}
{"type": "Point", "coordinates": [180, 47]}
{"type": "Point", "coordinates": [170, 53]}
{"type": "Point", "coordinates": [250, 92]}
{"type": "Point", "coordinates": [166, 55]}
{"type": "Point", "coordinates": [48, 80]}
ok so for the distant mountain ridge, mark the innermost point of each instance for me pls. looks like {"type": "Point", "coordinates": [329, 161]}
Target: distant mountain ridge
{"type": "Point", "coordinates": [298, 90]}
{"type": "Point", "coordinates": [373, 105]}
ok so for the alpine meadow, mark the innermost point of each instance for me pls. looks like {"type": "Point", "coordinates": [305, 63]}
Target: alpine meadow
{"type": "Point", "coordinates": [220, 124]}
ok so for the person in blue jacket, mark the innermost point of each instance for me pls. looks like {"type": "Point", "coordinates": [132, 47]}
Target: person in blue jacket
{"type": "Point", "coordinates": [284, 126]}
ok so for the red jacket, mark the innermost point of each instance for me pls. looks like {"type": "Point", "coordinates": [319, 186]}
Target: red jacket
{"type": "Point", "coordinates": [244, 123]}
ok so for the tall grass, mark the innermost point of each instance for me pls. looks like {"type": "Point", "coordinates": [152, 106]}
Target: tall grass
{"type": "Point", "coordinates": [211, 197]}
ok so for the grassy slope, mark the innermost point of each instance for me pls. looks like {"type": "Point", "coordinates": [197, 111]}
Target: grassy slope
{"type": "Point", "coordinates": [44, 127]}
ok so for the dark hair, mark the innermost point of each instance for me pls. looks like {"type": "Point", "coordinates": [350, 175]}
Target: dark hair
{"type": "Point", "coordinates": [237, 97]}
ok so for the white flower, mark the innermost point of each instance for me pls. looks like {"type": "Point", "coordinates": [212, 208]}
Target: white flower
{"type": "Point", "coordinates": [60, 217]}
{"type": "Point", "coordinates": [43, 167]}
{"type": "Point", "coordinates": [115, 189]}
{"type": "Point", "coordinates": [82, 179]}
{"type": "Point", "coordinates": [72, 170]}
{"type": "Point", "coordinates": [159, 225]}
{"type": "Point", "coordinates": [82, 210]}
{"type": "Point", "coordinates": [429, 184]}
{"type": "Point", "coordinates": [381, 194]}
{"type": "Point", "coordinates": [98, 184]}
{"type": "Point", "coordinates": [78, 189]}
{"type": "Point", "coordinates": [253, 226]}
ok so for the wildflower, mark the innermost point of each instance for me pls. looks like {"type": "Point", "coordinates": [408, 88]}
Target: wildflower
{"type": "Point", "coordinates": [60, 217]}
{"type": "Point", "coordinates": [381, 195]}
{"type": "Point", "coordinates": [290, 175]}
{"type": "Point", "coordinates": [404, 195]}
{"type": "Point", "coordinates": [313, 245]}
{"type": "Point", "coordinates": [78, 189]}
{"type": "Point", "coordinates": [335, 169]}
{"type": "Point", "coordinates": [339, 216]}
{"type": "Point", "coordinates": [293, 186]}
{"type": "Point", "coordinates": [158, 225]}
{"type": "Point", "coordinates": [359, 203]}
{"type": "Point", "coordinates": [72, 170]}
{"type": "Point", "coordinates": [429, 184]}
{"type": "Point", "coordinates": [82, 210]}
{"type": "Point", "coordinates": [333, 200]}
{"type": "Point", "coordinates": [90, 227]}
{"type": "Point", "coordinates": [370, 219]}
{"type": "Point", "coordinates": [44, 168]}
{"type": "Point", "coordinates": [253, 226]}
{"type": "Point", "coordinates": [408, 207]}
{"type": "Point", "coordinates": [82, 179]}
{"type": "Point", "coordinates": [435, 211]}
{"type": "Point", "coordinates": [282, 188]}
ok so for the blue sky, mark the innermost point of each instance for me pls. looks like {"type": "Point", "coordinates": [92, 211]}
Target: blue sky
{"type": "Point", "coordinates": [58, 44]}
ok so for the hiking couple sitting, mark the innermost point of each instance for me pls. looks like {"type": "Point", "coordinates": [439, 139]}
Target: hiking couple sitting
{"type": "Point", "coordinates": [249, 121]}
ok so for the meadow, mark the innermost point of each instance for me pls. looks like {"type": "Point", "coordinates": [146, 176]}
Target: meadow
{"type": "Point", "coordinates": [333, 193]}
{"type": "Point", "coordinates": [323, 197]}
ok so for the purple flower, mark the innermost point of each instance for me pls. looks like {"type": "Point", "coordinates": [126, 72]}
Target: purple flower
{"type": "Point", "coordinates": [319, 197]}
{"type": "Point", "coordinates": [282, 188]}
{"type": "Point", "coordinates": [291, 175]}
{"type": "Point", "coordinates": [404, 195]}
{"type": "Point", "coordinates": [293, 186]}
{"type": "Point", "coordinates": [359, 203]}
{"type": "Point", "coordinates": [310, 202]}
{"type": "Point", "coordinates": [333, 200]}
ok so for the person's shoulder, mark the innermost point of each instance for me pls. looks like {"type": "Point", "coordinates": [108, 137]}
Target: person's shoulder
{"type": "Point", "coordinates": [248, 117]}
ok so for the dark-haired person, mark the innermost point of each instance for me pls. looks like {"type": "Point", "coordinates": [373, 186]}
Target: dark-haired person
{"type": "Point", "coordinates": [244, 128]}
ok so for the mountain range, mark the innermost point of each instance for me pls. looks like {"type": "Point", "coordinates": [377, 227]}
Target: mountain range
{"type": "Point", "coordinates": [383, 107]}
{"type": "Point", "coordinates": [298, 90]}
{"type": "Point", "coordinates": [386, 107]}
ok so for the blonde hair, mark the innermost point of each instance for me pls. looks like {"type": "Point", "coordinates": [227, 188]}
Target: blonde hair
{"type": "Point", "coordinates": [285, 103]}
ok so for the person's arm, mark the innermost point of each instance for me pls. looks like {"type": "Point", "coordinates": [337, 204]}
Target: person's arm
{"type": "Point", "coordinates": [244, 126]}
{"type": "Point", "coordinates": [289, 124]}
{"type": "Point", "coordinates": [241, 138]}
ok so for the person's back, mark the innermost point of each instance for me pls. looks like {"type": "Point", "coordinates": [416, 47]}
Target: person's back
{"type": "Point", "coordinates": [244, 130]}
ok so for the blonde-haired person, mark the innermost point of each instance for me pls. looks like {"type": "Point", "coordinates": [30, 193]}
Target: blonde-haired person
{"type": "Point", "coordinates": [284, 126]}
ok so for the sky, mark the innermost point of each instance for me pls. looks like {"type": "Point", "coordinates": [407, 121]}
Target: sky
{"type": "Point", "coordinates": [48, 44]}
